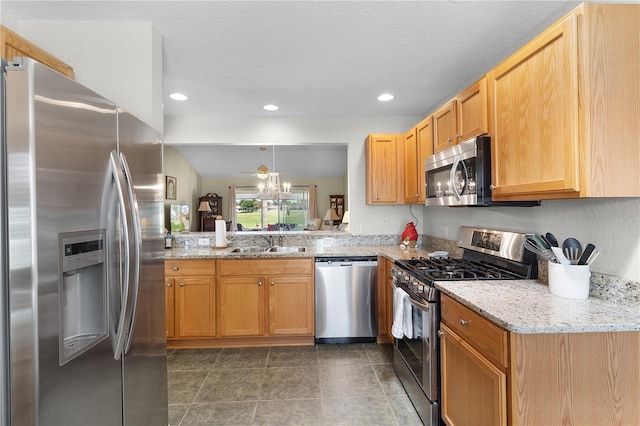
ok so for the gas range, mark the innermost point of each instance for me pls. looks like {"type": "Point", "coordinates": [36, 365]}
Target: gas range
{"type": "Point", "coordinates": [488, 255]}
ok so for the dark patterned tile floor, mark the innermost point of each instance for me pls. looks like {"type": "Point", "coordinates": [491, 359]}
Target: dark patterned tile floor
{"type": "Point", "coordinates": [295, 385]}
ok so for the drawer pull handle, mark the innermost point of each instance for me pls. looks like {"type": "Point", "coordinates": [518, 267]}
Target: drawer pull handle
{"type": "Point", "coordinates": [272, 283]}
{"type": "Point", "coordinates": [259, 283]}
{"type": "Point", "coordinates": [175, 268]}
{"type": "Point", "coordinates": [181, 284]}
{"type": "Point", "coordinates": [463, 322]}
{"type": "Point", "coordinates": [168, 284]}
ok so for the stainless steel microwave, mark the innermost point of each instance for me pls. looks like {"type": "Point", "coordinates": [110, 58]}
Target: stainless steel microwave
{"type": "Point", "coordinates": [461, 176]}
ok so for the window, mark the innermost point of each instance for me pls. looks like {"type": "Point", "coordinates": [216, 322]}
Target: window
{"type": "Point", "coordinates": [256, 214]}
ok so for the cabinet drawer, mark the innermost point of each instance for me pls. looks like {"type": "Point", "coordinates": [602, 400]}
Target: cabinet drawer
{"type": "Point", "coordinates": [174, 267]}
{"type": "Point", "coordinates": [479, 332]}
{"type": "Point", "coordinates": [266, 266]}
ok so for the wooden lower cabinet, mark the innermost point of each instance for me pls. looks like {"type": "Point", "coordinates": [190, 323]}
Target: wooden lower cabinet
{"type": "Point", "coordinates": [190, 298]}
{"type": "Point", "coordinates": [474, 391]}
{"type": "Point", "coordinates": [253, 302]}
{"type": "Point", "coordinates": [241, 306]}
{"type": "Point", "coordinates": [495, 377]}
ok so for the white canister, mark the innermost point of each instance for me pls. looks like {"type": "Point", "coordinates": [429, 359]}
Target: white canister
{"type": "Point", "coordinates": [570, 281]}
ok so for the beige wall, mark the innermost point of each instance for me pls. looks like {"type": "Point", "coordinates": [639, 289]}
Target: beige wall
{"type": "Point", "coordinates": [189, 183]}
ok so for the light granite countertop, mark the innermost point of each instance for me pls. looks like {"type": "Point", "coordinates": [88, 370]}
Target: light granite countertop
{"type": "Point", "coordinates": [526, 306]}
{"type": "Point", "coordinates": [392, 251]}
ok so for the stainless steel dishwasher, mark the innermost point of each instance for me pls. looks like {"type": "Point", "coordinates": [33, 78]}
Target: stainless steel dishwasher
{"type": "Point", "coordinates": [345, 299]}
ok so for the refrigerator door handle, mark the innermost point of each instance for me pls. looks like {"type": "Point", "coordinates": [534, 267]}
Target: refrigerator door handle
{"type": "Point", "coordinates": [125, 208]}
{"type": "Point", "coordinates": [134, 282]}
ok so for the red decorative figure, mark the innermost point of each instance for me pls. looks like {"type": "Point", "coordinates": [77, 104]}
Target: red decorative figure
{"type": "Point", "coordinates": [410, 235]}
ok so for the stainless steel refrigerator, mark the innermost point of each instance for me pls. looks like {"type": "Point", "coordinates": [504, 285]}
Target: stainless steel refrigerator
{"type": "Point", "coordinates": [82, 303]}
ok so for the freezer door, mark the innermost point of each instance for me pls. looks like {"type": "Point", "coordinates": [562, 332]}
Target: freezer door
{"type": "Point", "coordinates": [59, 136]}
{"type": "Point", "coordinates": [145, 362]}
{"type": "Point", "coordinates": [5, 383]}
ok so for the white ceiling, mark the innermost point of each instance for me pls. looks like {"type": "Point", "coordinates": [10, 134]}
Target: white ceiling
{"type": "Point", "coordinates": [316, 58]}
{"type": "Point", "coordinates": [291, 161]}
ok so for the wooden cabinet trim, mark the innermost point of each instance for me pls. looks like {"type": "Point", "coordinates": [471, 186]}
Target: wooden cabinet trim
{"type": "Point", "coordinates": [13, 45]}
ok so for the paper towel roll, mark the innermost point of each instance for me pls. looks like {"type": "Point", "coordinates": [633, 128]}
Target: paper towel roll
{"type": "Point", "coordinates": [221, 233]}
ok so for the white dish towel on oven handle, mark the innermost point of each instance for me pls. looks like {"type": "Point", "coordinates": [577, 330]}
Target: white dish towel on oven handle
{"type": "Point", "coordinates": [402, 315]}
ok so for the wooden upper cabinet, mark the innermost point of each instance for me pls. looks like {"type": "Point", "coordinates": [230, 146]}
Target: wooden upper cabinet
{"type": "Point", "coordinates": [444, 127]}
{"type": "Point", "coordinates": [534, 95]}
{"type": "Point", "coordinates": [564, 109]}
{"type": "Point", "coordinates": [418, 145]}
{"type": "Point", "coordinates": [12, 45]}
{"type": "Point", "coordinates": [462, 118]}
{"type": "Point", "coordinates": [383, 169]}
{"type": "Point", "coordinates": [471, 111]}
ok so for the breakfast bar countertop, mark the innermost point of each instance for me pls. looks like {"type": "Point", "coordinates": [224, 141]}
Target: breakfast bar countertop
{"type": "Point", "coordinates": [391, 251]}
{"type": "Point", "coordinates": [526, 306]}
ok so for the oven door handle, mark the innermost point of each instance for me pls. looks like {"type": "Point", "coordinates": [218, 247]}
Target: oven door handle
{"type": "Point", "coordinates": [417, 305]}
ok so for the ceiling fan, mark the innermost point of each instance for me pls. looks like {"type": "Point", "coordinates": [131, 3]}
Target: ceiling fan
{"type": "Point", "coordinates": [263, 171]}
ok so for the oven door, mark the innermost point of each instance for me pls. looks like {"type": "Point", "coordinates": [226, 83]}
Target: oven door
{"type": "Point", "coordinates": [419, 350]}
{"type": "Point", "coordinates": [450, 176]}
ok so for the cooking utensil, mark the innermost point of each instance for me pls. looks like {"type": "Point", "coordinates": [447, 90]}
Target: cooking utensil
{"type": "Point", "coordinates": [560, 256]}
{"type": "Point", "coordinates": [592, 257]}
{"type": "Point", "coordinates": [586, 254]}
{"type": "Point", "coordinates": [540, 241]}
{"type": "Point", "coordinates": [553, 242]}
{"type": "Point", "coordinates": [537, 248]}
{"type": "Point", "coordinates": [572, 249]}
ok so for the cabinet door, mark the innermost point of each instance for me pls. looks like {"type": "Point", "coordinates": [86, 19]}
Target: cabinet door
{"type": "Point", "coordinates": [170, 307]}
{"type": "Point", "coordinates": [534, 117]}
{"type": "Point", "coordinates": [444, 127]}
{"type": "Point", "coordinates": [474, 391]}
{"type": "Point", "coordinates": [471, 113]}
{"type": "Point", "coordinates": [241, 308]}
{"type": "Point", "coordinates": [290, 305]}
{"type": "Point", "coordinates": [424, 134]}
{"type": "Point", "coordinates": [383, 170]}
{"type": "Point", "coordinates": [411, 159]}
{"type": "Point", "coordinates": [195, 306]}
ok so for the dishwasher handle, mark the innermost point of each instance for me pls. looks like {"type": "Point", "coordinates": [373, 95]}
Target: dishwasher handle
{"type": "Point", "coordinates": [346, 261]}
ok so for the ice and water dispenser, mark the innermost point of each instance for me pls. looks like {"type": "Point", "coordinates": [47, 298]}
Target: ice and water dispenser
{"type": "Point", "coordinates": [82, 287]}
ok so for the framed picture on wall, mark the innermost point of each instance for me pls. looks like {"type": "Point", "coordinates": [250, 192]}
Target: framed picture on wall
{"type": "Point", "coordinates": [171, 188]}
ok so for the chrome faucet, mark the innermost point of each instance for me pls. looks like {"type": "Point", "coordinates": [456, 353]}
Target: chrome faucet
{"type": "Point", "coordinates": [271, 240]}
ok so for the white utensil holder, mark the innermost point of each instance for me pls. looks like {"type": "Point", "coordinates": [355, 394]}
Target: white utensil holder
{"type": "Point", "coordinates": [570, 281]}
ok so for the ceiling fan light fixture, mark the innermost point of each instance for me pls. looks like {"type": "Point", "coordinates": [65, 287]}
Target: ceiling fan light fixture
{"type": "Point", "coordinates": [263, 172]}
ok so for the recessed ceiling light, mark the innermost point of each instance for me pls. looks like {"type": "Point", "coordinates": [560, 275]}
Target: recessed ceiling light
{"type": "Point", "coordinates": [270, 107]}
{"type": "Point", "coordinates": [385, 97]}
{"type": "Point", "coordinates": [178, 97]}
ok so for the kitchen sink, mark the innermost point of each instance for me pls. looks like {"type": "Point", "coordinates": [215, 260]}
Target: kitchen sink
{"type": "Point", "coordinates": [252, 249]}
{"type": "Point", "coordinates": [286, 249]}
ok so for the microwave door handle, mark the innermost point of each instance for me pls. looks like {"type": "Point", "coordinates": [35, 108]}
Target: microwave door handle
{"type": "Point", "coordinates": [465, 171]}
{"type": "Point", "coordinates": [452, 175]}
